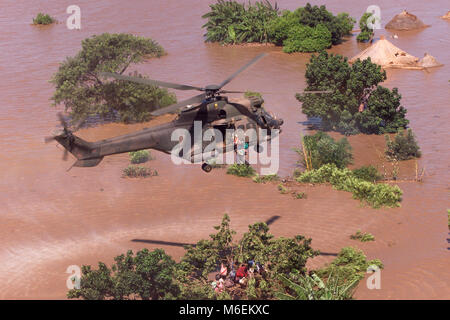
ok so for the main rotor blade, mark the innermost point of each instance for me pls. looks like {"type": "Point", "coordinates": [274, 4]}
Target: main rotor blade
{"type": "Point", "coordinates": [230, 91]}
{"type": "Point", "coordinates": [62, 120]}
{"type": "Point", "coordinates": [65, 155]}
{"type": "Point", "coordinates": [241, 69]}
{"type": "Point", "coordinates": [49, 139]}
{"type": "Point", "coordinates": [318, 91]}
{"type": "Point", "coordinates": [150, 81]}
{"type": "Point", "coordinates": [176, 106]}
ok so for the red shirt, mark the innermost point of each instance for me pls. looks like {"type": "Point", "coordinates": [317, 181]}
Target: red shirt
{"type": "Point", "coordinates": [241, 272]}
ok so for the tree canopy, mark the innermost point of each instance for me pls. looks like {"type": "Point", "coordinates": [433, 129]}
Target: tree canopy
{"type": "Point", "coordinates": [306, 29]}
{"type": "Point", "coordinates": [80, 89]}
{"type": "Point", "coordinates": [353, 86]}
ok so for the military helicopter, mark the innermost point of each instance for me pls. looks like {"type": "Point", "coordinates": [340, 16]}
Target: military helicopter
{"type": "Point", "coordinates": [211, 108]}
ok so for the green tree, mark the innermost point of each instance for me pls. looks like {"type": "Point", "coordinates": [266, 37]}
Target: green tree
{"type": "Point", "coordinates": [147, 275]}
{"type": "Point", "coordinates": [366, 32]}
{"type": "Point", "coordinates": [352, 86]}
{"type": "Point", "coordinates": [403, 147]}
{"type": "Point", "coordinates": [339, 25]}
{"type": "Point", "coordinates": [80, 89]}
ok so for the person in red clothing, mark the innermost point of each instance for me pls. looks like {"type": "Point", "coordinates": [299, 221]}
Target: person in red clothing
{"type": "Point", "coordinates": [241, 272]}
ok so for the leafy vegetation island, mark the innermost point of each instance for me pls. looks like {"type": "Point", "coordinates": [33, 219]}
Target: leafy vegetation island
{"type": "Point", "coordinates": [306, 29]}
{"type": "Point", "coordinates": [257, 266]}
{"type": "Point", "coordinates": [43, 19]}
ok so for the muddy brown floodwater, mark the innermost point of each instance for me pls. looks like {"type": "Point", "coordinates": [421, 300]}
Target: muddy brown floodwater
{"type": "Point", "coordinates": [50, 218]}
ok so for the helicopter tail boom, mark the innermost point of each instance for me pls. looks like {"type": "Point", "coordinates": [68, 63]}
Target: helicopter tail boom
{"type": "Point", "coordinates": [81, 149]}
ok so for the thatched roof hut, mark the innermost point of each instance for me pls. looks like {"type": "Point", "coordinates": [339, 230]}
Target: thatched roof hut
{"type": "Point", "coordinates": [405, 21]}
{"type": "Point", "coordinates": [429, 61]}
{"type": "Point", "coordinates": [385, 54]}
{"type": "Point", "coordinates": [446, 16]}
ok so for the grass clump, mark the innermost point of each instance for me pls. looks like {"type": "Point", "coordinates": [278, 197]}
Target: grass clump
{"type": "Point", "coordinates": [43, 19]}
{"type": "Point", "coordinates": [266, 178]}
{"type": "Point", "coordinates": [376, 195]}
{"type": "Point", "coordinates": [403, 147]}
{"type": "Point", "coordinates": [134, 171]}
{"type": "Point", "coordinates": [282, 189]}
{"type": "Point", "coordinates": [320, 149]}
{"type": "Point", "coordinates": [367, 173]}
{"type": "Point", "coordinates": [448, 215]}
{"type": "Point", "coordinates": [140, 156]}
{"type": "Point", "coordinates": [241, 170]}
{"type": "Point", "coordinates": [300, 195]}
{"type": "Point", "coordinates": [362, 236]}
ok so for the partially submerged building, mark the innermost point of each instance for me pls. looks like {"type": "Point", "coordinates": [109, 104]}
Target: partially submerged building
{"type": "Point", "coordinates": [387, 55]}
{"type": "Point", "coordinates": [405, 21]}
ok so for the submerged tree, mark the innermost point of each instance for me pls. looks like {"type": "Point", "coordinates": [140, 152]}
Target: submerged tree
{"type": "Point", "coordinates": [80, 89]}
{"type": "Point", "coordinates": [366, 32]}
{"type": "Point", "coordinates": [357, 103]}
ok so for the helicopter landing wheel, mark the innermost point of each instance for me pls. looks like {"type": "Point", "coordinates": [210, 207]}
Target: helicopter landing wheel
{"type": "Point", "coordinates": [206, 167]}
{"type": "Point", "coordinates": [258, 148]}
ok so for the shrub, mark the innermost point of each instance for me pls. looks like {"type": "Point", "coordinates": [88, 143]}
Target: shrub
{"type": "Point", "coordinates": [367, 173]}
{"type": "Point", "coordinates": [366, 32]}
{"type": "Point", "coordinates": [351, 86]}
{"type": "Point", "coordinates": [307, 39]}
{"type": "Point", "coordinates": [140, 156]}
{"type": "Point", "coordinates": [350, 265]}
{"type": "Point", "coordinates": [133, 171]}
{"type": "Point", "coordinates": [266, 178]}
{"type": "Point", "coordinates": [320, 149]}
{"type": "Point", "coordinates": [376, 195]}
{"type": "Point", "coordinates": [363, 237]}
{"type": "Point", "coordinates": [43, 19]}
{"type": "Point", "coordinates": [241, 170]}
{"type": "Point", "coordinates": [403, 147]}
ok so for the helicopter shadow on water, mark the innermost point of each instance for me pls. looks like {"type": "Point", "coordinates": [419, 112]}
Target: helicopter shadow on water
{"type": "Point", "coordinates": [312, 123]}
{"type": "Point", "coordinates": [181, 244]}
{"type": "Point", "coordinates": [269, 221]}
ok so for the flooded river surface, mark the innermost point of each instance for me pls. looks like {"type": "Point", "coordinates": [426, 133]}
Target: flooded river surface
{"type": "Point", "coordinates": [51, 219]}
